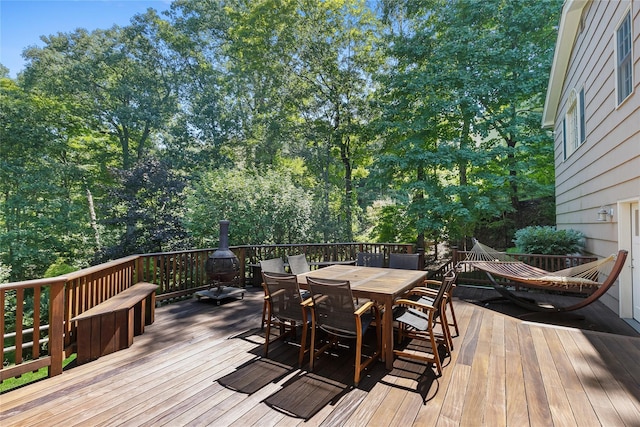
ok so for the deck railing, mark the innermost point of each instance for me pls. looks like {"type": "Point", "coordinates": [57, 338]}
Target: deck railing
{"type": "Point", "coordinates": [183, 273]}
{"type": "Point", "coordinates": [36, 314]}
{"type": "Point", "coordinates": [35, 327]}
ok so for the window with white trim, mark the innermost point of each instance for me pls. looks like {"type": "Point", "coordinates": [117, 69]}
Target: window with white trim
{"type": "Point", "coordinates": [573, 126]}
{"type": "Point", "coordinates": [624, 63]}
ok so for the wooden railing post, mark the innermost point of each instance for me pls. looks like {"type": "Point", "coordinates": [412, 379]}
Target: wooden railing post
{"type": "Point", "coordinates": [420, 258]}
{"type": "Point", "coordinates": [139, 270]}
{"type": "Point", "coordinates": [56, 327]}
{"type": "Point", "coordinates": [243, 262]}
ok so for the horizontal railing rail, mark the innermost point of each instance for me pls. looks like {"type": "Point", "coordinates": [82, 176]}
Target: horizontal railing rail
{"type": "Point", "coordinates": [182, 273]}
{"type": "Point", "coordinates": [33, 311]}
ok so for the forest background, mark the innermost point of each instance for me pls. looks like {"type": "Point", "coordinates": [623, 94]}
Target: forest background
{"type": "Point", "coordinates": [298, 120]}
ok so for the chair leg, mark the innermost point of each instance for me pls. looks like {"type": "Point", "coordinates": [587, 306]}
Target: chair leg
{"type": "Point", "coordinates": [379, 334]}
{"type": "Point", "coordinates": [267, 335]}
{"type": "Point", "coordinates": [312, 348]}
{"type": "Point", "coordinates": [356, 377]}
{"type": "Point", "coordinates": [314, 353]}
{"type": "Point", "coordinates": [303, 343]}
{"type": "Point", "coordinates": [453, 316]}
{"type": "Point", "coordinates": [436, 354]}
{"type": "Point", "coordinates": [264, 315]}
{"type": "Point", "coordinates": [444, 324]}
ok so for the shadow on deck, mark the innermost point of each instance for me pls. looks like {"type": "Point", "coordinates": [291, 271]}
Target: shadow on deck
{"type": "Point", "coordinates": [202, 364]}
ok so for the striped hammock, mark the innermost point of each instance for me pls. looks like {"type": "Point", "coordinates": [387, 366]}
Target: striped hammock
{"type": "Point", "coordinates": [581, 278]}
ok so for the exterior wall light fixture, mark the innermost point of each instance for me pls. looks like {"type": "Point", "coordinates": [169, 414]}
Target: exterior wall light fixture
{"type": "Point", "coordinates": [605, 213]}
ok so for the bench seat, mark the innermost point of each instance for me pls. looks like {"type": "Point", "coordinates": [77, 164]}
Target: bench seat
{"type": "Point", "coordinates": [111, 325]}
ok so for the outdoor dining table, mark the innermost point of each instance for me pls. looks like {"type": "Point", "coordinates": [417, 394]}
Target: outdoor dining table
{"type": "Point", "coordinates": [382, 285]}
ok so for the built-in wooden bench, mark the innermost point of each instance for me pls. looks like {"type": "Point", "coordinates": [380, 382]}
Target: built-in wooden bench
{"type": "Point", "coordinates": [111, 325]}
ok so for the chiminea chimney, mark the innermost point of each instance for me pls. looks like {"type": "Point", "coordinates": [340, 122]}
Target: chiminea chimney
{"type": "Point", "coordinates": [223, 266]}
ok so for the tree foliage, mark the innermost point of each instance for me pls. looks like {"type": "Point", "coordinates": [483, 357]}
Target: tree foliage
{"type": "Point", "coordinates": [263, 208]}
{"type": "Point", "coordinates": [297, 120]}
{"type": "Point", "coordinates": [144, 211]}
{"type": "Point", "coordinates": [41, 208]}
{"type": "Point", "coordinates": [461, 112]}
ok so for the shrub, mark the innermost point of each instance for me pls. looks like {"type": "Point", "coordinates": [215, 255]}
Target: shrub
{"type": "Point", "coordinates": [59, 268]}
{"type": "Point", "coordinates": [546, 240]}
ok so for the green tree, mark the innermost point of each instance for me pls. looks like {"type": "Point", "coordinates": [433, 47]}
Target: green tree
{"type": "Point", "coordinates": [41, 215]}
{"type": "Point", "coordinates": [144, 211]}
{"type": "Point", "coordinates": [461, 127]}
{"type": "Point", "coordinates": [120, 81]}
{"type": "Point", "coordinates": [297, 83]}
{"type": "Point", "coordinates": [337, 53]}
{"type": "Point", "coordinates": [122, 86]}
{"type": "Point", "coordinates": [263, 208]}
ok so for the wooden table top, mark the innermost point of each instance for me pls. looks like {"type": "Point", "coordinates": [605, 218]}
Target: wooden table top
{"type": "Point", "coordinates": [389, 281]}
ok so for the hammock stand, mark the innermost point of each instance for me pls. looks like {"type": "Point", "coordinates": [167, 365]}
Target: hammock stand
{"type": "Point", "coordinates": [580, 279]}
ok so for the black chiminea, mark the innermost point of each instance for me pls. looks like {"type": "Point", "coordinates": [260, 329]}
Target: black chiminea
{"type": "Point", "coordinates": [223, 265]}
{"type": "Point", "coordinates": [222, 268]}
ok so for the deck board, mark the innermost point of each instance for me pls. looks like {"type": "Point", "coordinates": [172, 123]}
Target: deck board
{"type": "Point", "coordinates": [503, 370]}
{"type": "Point", "coordinates": [475, 399]}
{"type": "Point", "coordinates": [496, 388]}
{"type": "Point", "coordinates": [580, 407]}
{"type": "Point", "coordinates": [582, 360]}
{"type": "Point", "coordinates": [429, 414]}
{"type": "Point", "coordinates": [537, 403]}
{"type": "Point", "coordinates": [559, 405]}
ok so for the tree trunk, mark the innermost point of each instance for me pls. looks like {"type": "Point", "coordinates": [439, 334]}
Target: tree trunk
{"type": "Point", "coordinates": [92, 216]}
{"type": "Point", "coordinates": [348, 189]}
{"type": "Point", "coordinates": [420, 176]}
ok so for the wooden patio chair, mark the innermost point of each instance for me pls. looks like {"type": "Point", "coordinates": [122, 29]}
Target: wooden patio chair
{"type": "Point", "coordinates": [417, 321]}
{"type": "Point", "coordinates": [404, 261]}
{"type": "Point", "coordinates": [427, 294]}
{"type": "Point", "coordinates": [298, 264]}
{"type": "Point", "coordinates": [285, 309]}
{"type": "Point", "coordinates": [273, 265]}
{"type": "Point", "coordinates": [369, 259]}
{"type": "Point", "coordinates": [335, 313]}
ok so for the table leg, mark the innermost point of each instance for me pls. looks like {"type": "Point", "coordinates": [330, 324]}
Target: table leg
{"type": "Point", "coordinates": [387, 333]}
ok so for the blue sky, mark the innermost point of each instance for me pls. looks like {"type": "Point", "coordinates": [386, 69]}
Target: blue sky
{"type": "Point", "coordinates": [22, 22]}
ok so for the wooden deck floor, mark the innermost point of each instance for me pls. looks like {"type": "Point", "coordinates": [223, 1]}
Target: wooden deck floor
{"type": "Point", "coordinates": [200, 364]}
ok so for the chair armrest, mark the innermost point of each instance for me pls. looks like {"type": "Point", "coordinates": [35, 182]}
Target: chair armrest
{"type": "Point", "coordinates": [278, 292]}
{"type": "Point", "coordinates": [320, 299]}
{"type": "Point", "coordinates": [420, 291]}
{"type": "Point", "coordinates": [366, 306]}
{"type": "Point", "coordinates": [415, 304]}
{"type": "Point", "coordinates": [427, 291]}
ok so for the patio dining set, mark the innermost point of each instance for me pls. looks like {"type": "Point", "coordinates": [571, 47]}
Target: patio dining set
{"type": "Point", "coordinates": [338, 304]}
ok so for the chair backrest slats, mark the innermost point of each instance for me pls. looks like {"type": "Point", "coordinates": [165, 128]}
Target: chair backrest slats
{"type": "Point", "coordinates": [298, 264]}
{"type": "Point", "coordinates": [283, 295]}
{"type": "Point", "coordinates": [333, 306]}
{"type": "Point", "coordinates": [274, 265]}
{"type": "Point", "coordinates": [369, 259]}
{"type": "Point", "coordinates": [404, 261]}
{"type": "Point", "coordinates": [447, 284]}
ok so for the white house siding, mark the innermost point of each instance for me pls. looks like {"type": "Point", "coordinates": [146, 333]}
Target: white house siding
{"type": "Point", "coordinates": [605, 169]}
